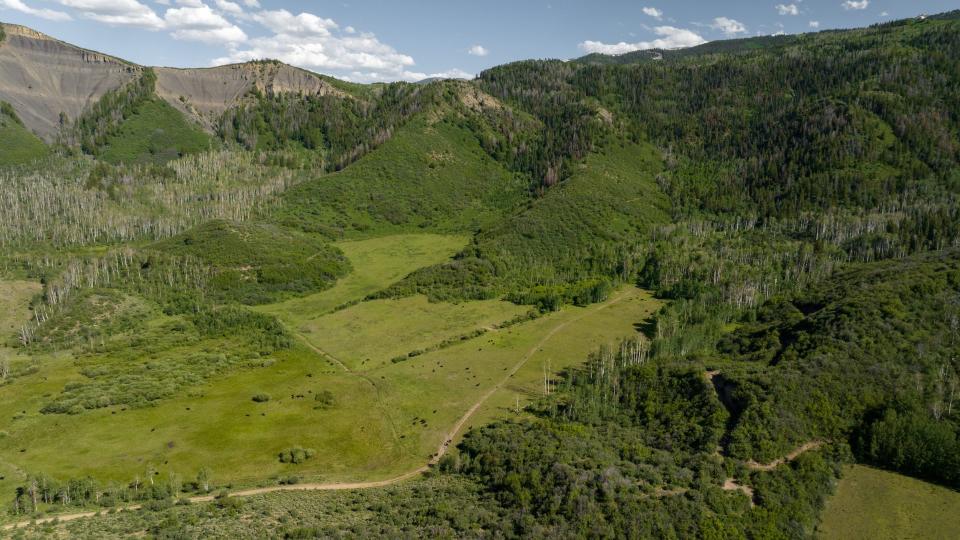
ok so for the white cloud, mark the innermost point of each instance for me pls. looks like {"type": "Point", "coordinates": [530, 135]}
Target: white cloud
{"type": "Point", "coordinates": [884, 14]}
{"type": "Point", "coordinates": [229, 7]}
{"type": "Point", "coordinates": [319, 44]}
{"type": "Point", "coordinates": [653, 12]}
{"type": "Point", "coordinates": [814, 24]}
{"type": "Point", "coordinates": [412, 76]}
{"type": "Point", "coordinates": [788, 9]}
{"type": "Point", "coordinates": [251, 3]}
{"type": "Point", "coordinates": [478, 50]}
{"type": "Point", "coordinates": [202, 24]}
{"type": "Point", "coordinates": [305, 24]}
{"type": "Point", "coordinates": [729, 27]}
{"type": "Point", "coordinates": [671, 38]}
{"type": "Point", "coordinates": [43, 13]}
{"type": "Point", "coordinates": [851, 4]}
{"type": "Point", "coordinates": [117, 12]}
{"type": "Point", "coordinates": [779, 33]}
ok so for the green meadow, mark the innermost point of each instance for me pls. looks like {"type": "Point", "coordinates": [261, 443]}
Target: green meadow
{"type": "Point", "coordinates": [17, 144]}
{"type": "Point", "coordinates": [385, 417]}
{"type": "Point", "coordinates": [879, 505]}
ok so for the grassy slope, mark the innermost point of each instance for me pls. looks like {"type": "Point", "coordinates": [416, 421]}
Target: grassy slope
{"type": "Point", "coordinates": [874, 504]}
{"type": "Point", "coordinates": [572, 233]}
{"type": "Point", "coordinates": [369, 433]}
{"type": "Point", "coordinates": [17, 144]}
{"type": "Point", "coordinates": [156, 132]}
{"type": "Point", "coordinates": [14, 299]}
{"type": "Point", "coordinates": [428, 175]}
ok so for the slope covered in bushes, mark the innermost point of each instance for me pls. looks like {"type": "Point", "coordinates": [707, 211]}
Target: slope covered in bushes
{"type": "Point", "coordinates": [255, 263]}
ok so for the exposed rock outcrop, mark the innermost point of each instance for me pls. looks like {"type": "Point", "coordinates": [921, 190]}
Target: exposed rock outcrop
{"type": "Point", "coordinates": [42, 77]}
{"type": "Point", "coordinates": [206, 93]}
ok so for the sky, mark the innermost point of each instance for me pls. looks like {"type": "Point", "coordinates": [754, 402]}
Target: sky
{"type": "Point", "coordinates": [389, 40]}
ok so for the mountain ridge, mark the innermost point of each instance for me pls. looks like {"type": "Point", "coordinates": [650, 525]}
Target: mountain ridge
{"type": "Point", "coordinates": [40, 94]}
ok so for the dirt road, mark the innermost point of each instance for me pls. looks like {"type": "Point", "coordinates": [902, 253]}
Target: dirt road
{"type": "Point", "coordinates": [441, 450]}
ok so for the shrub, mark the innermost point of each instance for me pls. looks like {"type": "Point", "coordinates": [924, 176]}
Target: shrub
{"type": "Point", "coordinates": [296, 455]}
{"type": "Point", "coordinates": [261, 398]}
{"type": "Point", "coordinates": [324, 399]}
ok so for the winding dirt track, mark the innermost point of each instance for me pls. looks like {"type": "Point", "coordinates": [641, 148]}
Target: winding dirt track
{"type": "Point", "coordinates": [805, 447]}
{"type": "Point", "coordinates": [441, 450]}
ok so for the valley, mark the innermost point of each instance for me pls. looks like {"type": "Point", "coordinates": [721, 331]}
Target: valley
{"type": "Point", "coordinates": [705, 292]}
{"type": "Point", "coordinates": [368, 433]}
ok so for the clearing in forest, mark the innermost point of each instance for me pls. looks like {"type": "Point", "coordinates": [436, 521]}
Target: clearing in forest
{"type": "Point", "coordinates": [372, 422]}
{"type": "Point", "coordinates": [879, 505]}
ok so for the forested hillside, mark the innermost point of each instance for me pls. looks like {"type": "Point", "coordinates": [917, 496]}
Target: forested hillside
{"type": "Point", "coordinates": [793, 202]}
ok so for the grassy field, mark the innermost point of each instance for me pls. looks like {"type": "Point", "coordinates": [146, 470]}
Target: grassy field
{"type": "Point", "coordinates": [874, 504]}
{"type": "Point", "coordinates": [402, 326]}
{"type": "Point", "coordinates": [385, 420]}
{"type": "Point", "coordinates": [376, 263]}
{"type": "Point", "coordinates": [14, 298]}
{"type": "Point", "coordinates": [17, 144]}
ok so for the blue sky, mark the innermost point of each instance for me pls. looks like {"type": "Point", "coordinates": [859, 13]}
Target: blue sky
{"type": "Point", "coordinates": [372, 40]}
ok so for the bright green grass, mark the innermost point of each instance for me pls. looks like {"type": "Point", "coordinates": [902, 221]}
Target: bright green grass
{"type": "Point", "coordinates": [373, 432]}
{"type": "Point", "coordinates": [155, 133]}
{"type": "Point", "coordinates": [17, 144]}
{"type": "Point", "coordinates": [874, 504]}
{"type": "Point", "coordinates": [450, 381]}
{"type": "Point", "coordinates": [401, 326]}
{"type": "Point", "coordinates": [386, 421]}
{"type": "Point", "coordinates": [431, 176]}
{"type": "Point", "coordinates": [376, 263]}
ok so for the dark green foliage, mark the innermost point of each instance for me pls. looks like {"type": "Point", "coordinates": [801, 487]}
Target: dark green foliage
{"type": "Point", "coordinates": [341, 128]}
{"type": "Point", "coordinates": [429, 175]}
{"type": "Point", "coordinates": [827, 130]}
{"type": "Point", "coordinates": [261, 398]}
{"type": "Point", "coordinates": [568, 126]}
{"type": "Point", "coordinates": [296, 455]}
{"type": "Point", "coordinates": [154, 133]}
{"type": "Point", "coordinates": [568, 246]}
{"type": "Point", "coordinates": [325, 399]}
{"type": "Point", "coordinates": [884, 336]}
{"type": "Point", "coordinates": [255, 263]}
{"type": "Point", "coordinates": [915, 443]}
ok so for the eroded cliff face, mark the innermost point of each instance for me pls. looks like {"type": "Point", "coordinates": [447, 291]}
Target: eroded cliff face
{"type": "Point", "coordinates": [206, 93]}
{"type": "Point", "coordinates": [42, 77]}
